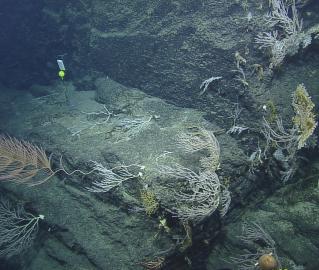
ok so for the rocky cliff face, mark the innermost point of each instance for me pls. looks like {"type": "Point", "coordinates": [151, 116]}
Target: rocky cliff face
{"type": "Point", "coordinates": [165, 48]}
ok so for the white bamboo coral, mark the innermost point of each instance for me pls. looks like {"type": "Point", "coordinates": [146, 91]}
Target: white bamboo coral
{"type": "Point", "coordinates": [114, 177]}
{"type": "Point", "coordinates": [202, 195]}
{"type": "Point", "coordinates": [198, 139]}
{"type": "Point", "coordinates": [202, 192]}
{"type": "Point", "coordinates": [17, 229]}
{"type": "Point", "coordinates": [285, 35]}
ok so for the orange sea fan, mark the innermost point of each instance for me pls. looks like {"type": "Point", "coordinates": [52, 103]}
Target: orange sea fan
{"type": "Point", "coordinates": [21, 161]}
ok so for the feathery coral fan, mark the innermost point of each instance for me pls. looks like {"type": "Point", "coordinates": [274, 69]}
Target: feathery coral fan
{"type": "Point", "coordinates": [20, 161]}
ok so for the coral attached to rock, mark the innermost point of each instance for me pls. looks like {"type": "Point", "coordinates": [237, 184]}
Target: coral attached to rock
{"type": "Point", "coordinates": [304, 120]}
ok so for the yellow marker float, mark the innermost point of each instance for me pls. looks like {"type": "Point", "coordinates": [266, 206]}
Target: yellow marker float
{"type": "Point", "coordinates": [61, 74]}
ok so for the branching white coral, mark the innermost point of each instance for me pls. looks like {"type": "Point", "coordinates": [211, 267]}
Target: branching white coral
{"type": "Point", "coordinates": [291, 35]}
{"type": "Point", "coordinates": [202, 195]}
{"type": "Point", "coordinates": [279, 16]}
{"type": "Point", "coordinates": [17, 229]}
{"type": "Point", "coordinates": [111, 178]}
{"type": "Point", "coordinates": [204, 85]}
{"type": "Point", "coordinates": [199, 139]}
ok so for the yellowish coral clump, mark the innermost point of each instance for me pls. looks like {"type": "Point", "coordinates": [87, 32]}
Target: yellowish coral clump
{"type": "Point", "coordinates": [272, 111]}
{"type": "Point", "coordinates": [305, 119]}
{"type": "Point", "coordinates": [149, 202]}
